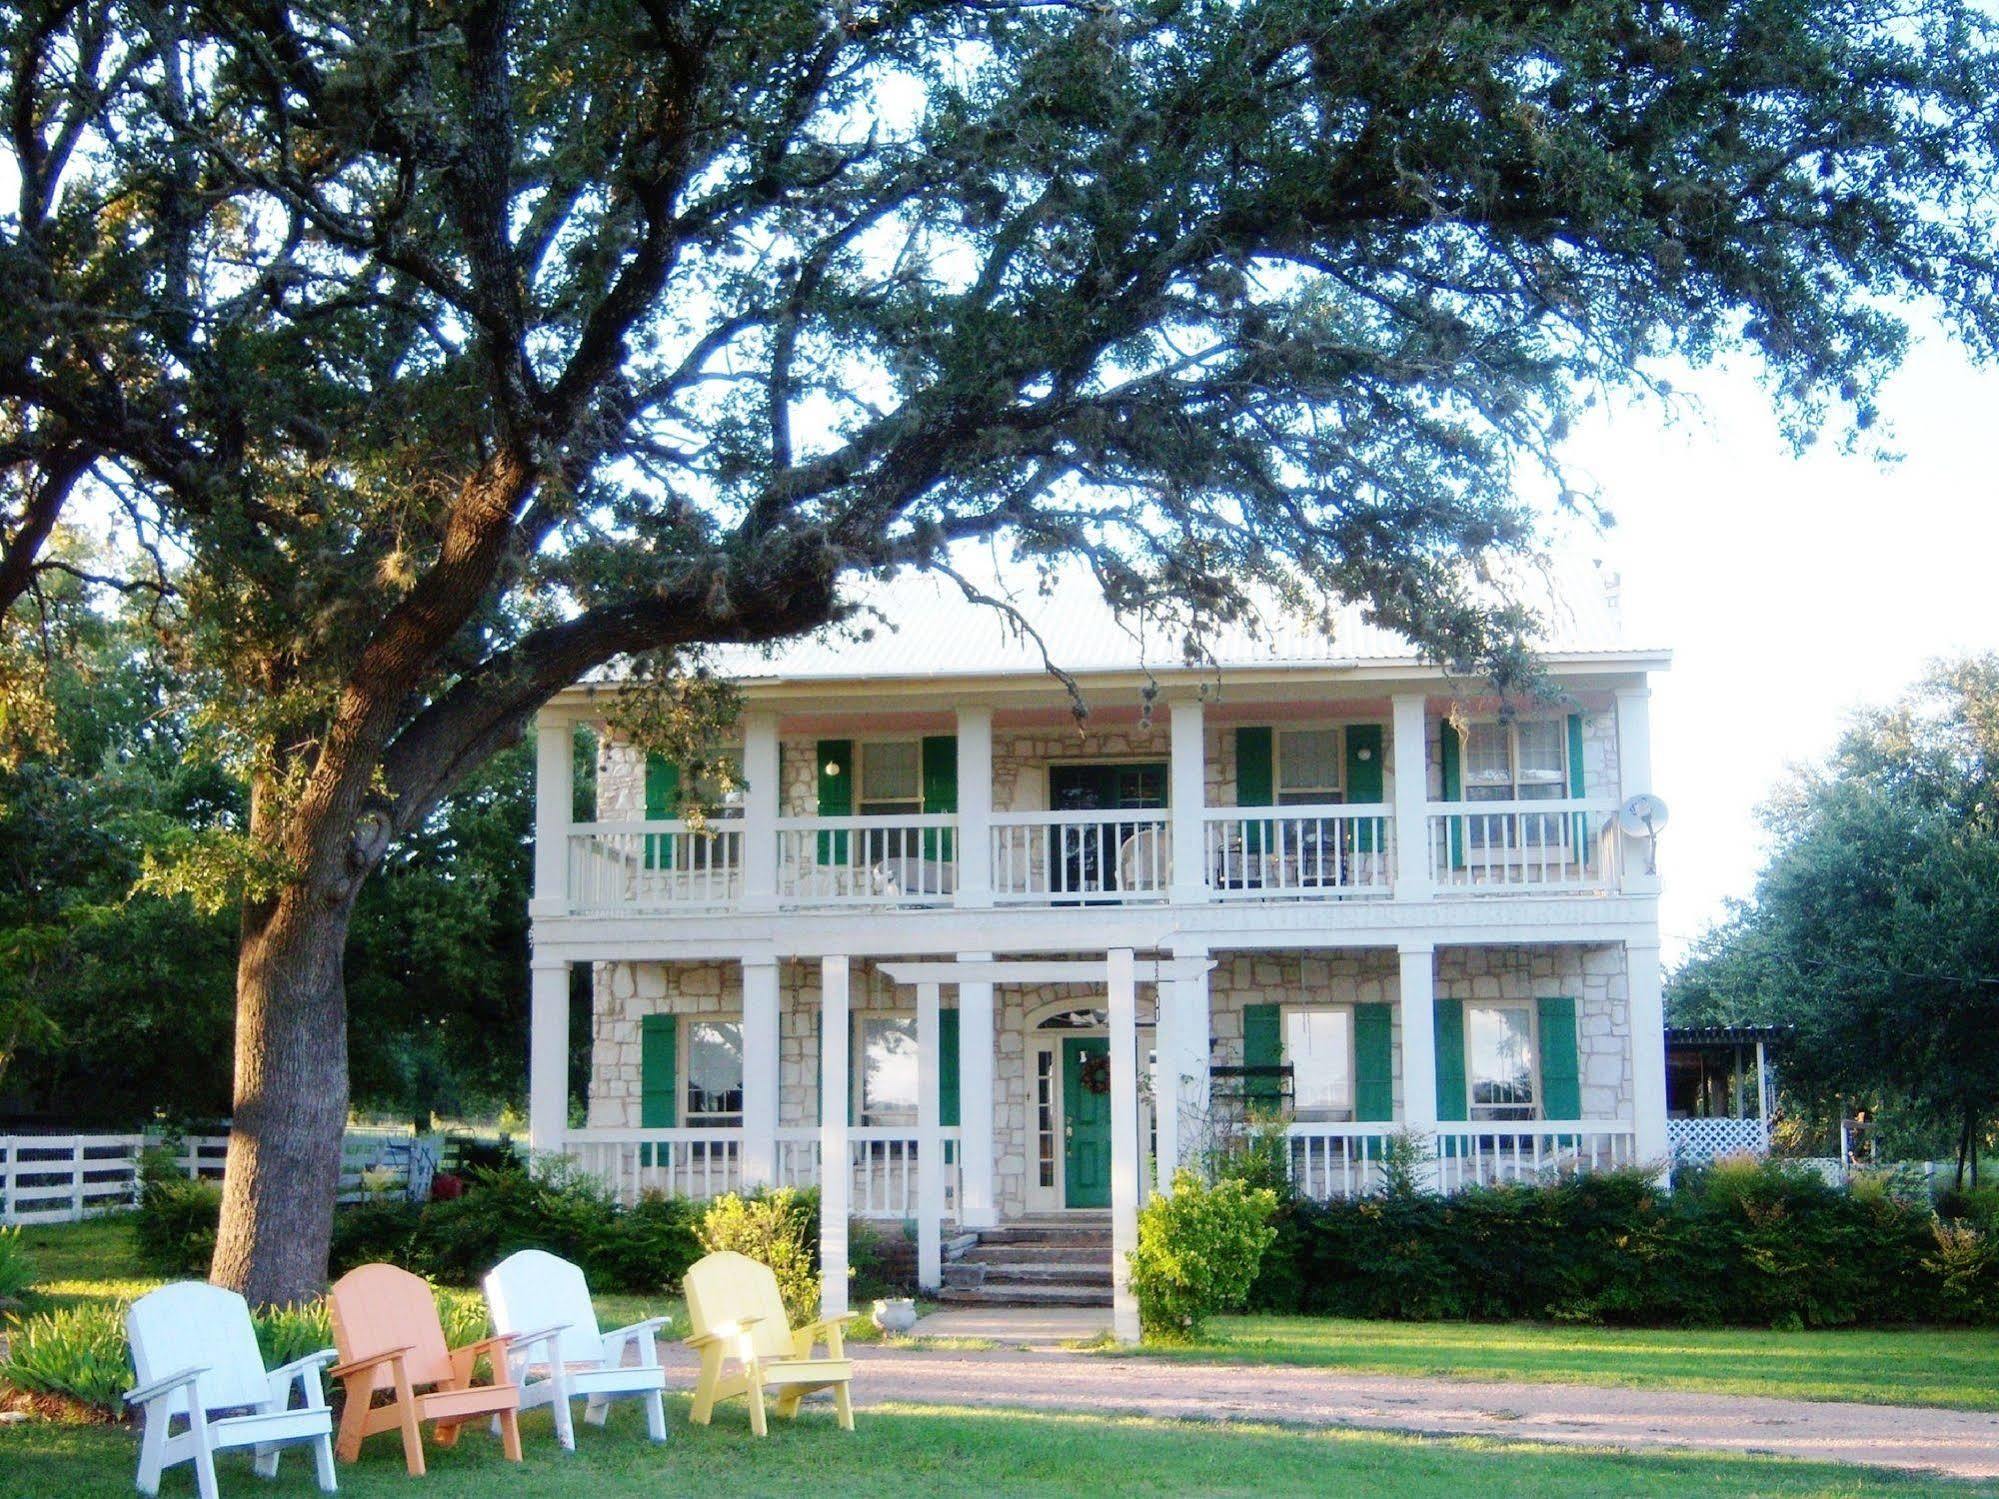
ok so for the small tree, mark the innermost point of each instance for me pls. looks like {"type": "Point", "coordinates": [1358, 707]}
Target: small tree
{"type": "Point", "coordinates": [1875, 927]}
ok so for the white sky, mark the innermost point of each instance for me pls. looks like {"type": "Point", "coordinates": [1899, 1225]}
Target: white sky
{"type": "Point", "coordinates": [1791, 590]}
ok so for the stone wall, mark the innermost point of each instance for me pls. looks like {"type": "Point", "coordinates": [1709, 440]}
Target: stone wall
{"type": "Point", "coordinates": [625, 992]}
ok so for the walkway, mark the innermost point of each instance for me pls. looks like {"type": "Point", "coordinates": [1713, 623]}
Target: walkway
{"type": "Point", "coordinates": [1963, 1444]}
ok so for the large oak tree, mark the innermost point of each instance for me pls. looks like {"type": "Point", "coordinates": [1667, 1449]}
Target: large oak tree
{"type": "Point", "coordinates": [442, 352]}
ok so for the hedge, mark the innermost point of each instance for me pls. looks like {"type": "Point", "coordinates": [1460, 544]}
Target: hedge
{"type": "Point", "coordinates": [1734, 1244]}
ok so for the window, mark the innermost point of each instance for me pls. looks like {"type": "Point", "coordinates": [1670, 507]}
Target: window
{"type": "Point", "coordinates": [888, 1073]}
{"type": "Point", "coordinates": [1309, 767]}
{"type": "Point", "coordinates": [1500, 1057]}
{"type": "Point", "coordinates": [1516, 762]}
{"type": "Point", "coordinates": [891, 778]}
{"type": "Point", "coordinates": [1318, 1044]}
{"type": "Point", "coordinates": [714, 1072]}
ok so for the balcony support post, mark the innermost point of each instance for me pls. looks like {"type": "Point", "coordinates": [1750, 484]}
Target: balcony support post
{"type": "Point", "coordinates": [760, 808]}
{"type": "Point", "coordinates": [548, 1054]}
{"type": "Point", "coordinates": [1411, 765]}
{"type": "Point", "coordinates": [974, 850]}
{"type": "Point", "coordinates": [1123, 1006]}
{"type": "Point", "coordinates": [835, 1168]}
{"type": "Point", "coordinates": [929, 1143]}
{"type": "Point", "coordinates": [976, 1205]}
{"type": "Point", "coordinates": [1645, 997]}
{"type": "Point", "coordinates": [1187, 796]}
{"type": "Point", "coordinates": [554, 811]}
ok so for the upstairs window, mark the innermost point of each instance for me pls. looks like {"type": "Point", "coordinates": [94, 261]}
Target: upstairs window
{"type": "Point", "coordinates": [1525, 761]}
{"type": "Point", "coordinates": [891, 778]}
{"type": "Point", "coordinates": [1310, 767]}
{"type": "Point", "coordinates": [1500, 1056]}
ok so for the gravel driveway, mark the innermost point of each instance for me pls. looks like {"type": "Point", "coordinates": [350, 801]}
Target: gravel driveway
{"type": "Point", "coordinates": [1963, 1444]}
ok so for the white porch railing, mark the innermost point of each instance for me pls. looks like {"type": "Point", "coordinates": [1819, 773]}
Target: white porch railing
{"type": "Point", "coordinates": [698, 1163]}
{"type": "Point", "coordinates": [886, 1166]}
{"type": "Point", "coordinates": [1329, 1162]}
{"type": "Point", "coordinates": [655, 866]}
{"type": "Point", "coordinates": [1498, 847]}
{"type": "Point", "coordinates": [1487, 1155]}
{"type": "Point", "coordinates": [1294, 853]}
{"type": "Point", "coordinates": [867, 861]}
{"type": "Point", "coordinates": [1698, 1141]}
{"type": "Point", "coordinates": [1112, 857]}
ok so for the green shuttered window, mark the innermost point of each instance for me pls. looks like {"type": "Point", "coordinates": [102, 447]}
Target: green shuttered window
{"type": "Point", "coordinates": [1561, 1083]}
{"type": "Point", "coordinates": [662, 805]}
{"type": "Point", "coordinates": [836, 794]}
{"type": "Point", "coordinates": [1374, 1063]}
{"type": "Point", "coordinates": [1364, 777]}
{"type": "Point", "coordinates": [1450, 1041]}
{"type": "Point", "coordinates": [1263, 1047]}
{"type": "Point", "coordinates": [940, 791]}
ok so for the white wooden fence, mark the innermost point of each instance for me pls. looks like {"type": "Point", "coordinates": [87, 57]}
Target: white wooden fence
{"type": "Point", "coordinates": [65, 1178]}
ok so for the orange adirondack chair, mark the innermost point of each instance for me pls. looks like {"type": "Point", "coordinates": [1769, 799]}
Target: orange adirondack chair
{"type": "Point", "coordinates": [386, 1327]}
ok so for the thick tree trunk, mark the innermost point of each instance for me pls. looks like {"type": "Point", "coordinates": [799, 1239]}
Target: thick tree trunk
{"type": "Point", "coordinates": [290, 1100]}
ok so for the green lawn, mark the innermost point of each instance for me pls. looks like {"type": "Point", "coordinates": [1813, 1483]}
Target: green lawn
{"type": "Point", "coordinates": [1945, 1367]}
{"type": "Point", "coordinates": [924, 1450]}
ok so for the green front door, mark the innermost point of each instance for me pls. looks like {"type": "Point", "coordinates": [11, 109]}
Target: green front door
{"type": "Point", "coordinates": [1086, 1125]}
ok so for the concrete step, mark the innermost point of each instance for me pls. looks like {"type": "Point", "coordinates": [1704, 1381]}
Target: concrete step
{"type": "Point", "coordinates": [1076, 1272]}
{"type": "Point", "coordinates": [1040, 1295]}
{"type": "Point", "coordinates": [1047, 1233]}
{"type": "Point", "coordinates": [1036, 1254]}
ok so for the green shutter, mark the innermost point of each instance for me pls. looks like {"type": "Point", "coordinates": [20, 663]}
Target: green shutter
{"type": "Point", "coordinates": [940, 791]}
{"type": "Point", "coordinates": [1374, 1063]}
{"type": "Point", "coordinates": [662, 805]}
{"type": "Point", "coordinates": [659, 1044]}
{"type": "Point", "coordinates": [1449, 752]}
{"type": "Point", "coordinates": [1561, 1085]}
{"type": "Point", "coordinates": [1450, 1034]}
{"type": "Point", "coordinates": [1255, 778]}
{"type": "Point", "coordinates": [947, 1068]}
{"type": "Point", "coordinates": [1364, 779]}
{"type": "Point", "coordinates": [1263, 1046]}
{"type": "Point", "coordinates": [1576, 783]}
{"type": "Point", "coordinates": [836, 794]}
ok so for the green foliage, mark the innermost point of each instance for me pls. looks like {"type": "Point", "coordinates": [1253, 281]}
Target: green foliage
{"type": "Point", "coordinates": [1198, 1253]}
{"type": "Point", "coordinates": [778, 1228]}
{"type": "Point", "coordinates": [291, 1332]}
{"type": "Point", "coordinates": [77, 1353]}
{"type": "Point", "coordinates": [1740, 1243]}
{"type": "Point", "coordinates": [17, 1267]}
{"type": "Point", "coordinates": [176, 1223]}
{"type": "Point", "coordinates": [1875, 927]}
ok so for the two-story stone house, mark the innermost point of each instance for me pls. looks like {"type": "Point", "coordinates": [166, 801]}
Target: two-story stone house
{"type": "Point", "coordinates": [1004, 966]}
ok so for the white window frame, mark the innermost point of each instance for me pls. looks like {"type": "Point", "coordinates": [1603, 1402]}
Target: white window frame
{"type": "Point", "coordinates": [858, 1069]}
{"type": "Point", "coordinates": [1472, 1105]}
{"type": "Point", "coordinates": [1499, 831]}
{"type": "Point", "coordinates": [1321, 1115]}
{"type": "Point", "coordinates": [684, 1085]}
{"type": "Point", "coordinates": [1334, 792]}
{"type": "Point", "coordinates": [861, 797]}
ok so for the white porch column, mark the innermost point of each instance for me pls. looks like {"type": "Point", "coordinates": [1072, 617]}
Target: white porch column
{"type": "Point", "coordinates": [1634, 774]}
{"type": "Point", "coordinates": [1411, 763]}
{"type": "Point", "coordinates": [1182, 1043]}
{"type": "Point", "coordinates": [929, 1145]}
{"type": "Point", "coordinates": [975, 808]}
{"type": "Point", "coordinates": [835, 1169]}
{"type": "Point", "coordinates": [760, 804]}
{"type": "Point", "coordinates": [548, 1054]}
{"type": "Point", "coordinates": [977, 1203]}
{"type": "Point", "coordinates": [760, 1071]}
{"type": "Point", "coordinates": [1123, 1002]}
{"type": "Point", "coordinates": [1648, 1054]}
{"type": "Point", "coordinates": [554, 812]}
{"type": "Point", "coordinates": [1187, 795]}
{"type": "Point", "coordinates": [1418, 990]}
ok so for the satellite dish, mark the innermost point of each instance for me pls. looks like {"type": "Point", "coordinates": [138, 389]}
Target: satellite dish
{"type": "Point", "coordinates": [1642, 816]}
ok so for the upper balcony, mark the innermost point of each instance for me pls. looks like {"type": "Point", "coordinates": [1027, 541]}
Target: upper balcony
{"type": "Point", "coordinates": [1316, 798]}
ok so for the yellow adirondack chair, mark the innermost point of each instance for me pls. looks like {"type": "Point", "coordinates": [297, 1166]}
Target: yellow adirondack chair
{"type": "Point", "coordinates": [736, 1312]}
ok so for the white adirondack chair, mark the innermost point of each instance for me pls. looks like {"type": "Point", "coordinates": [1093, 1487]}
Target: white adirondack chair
{"type": "Point", "coordinates": [544, 1302]}
{"type": "Point", "coordinates": [196, 1356]}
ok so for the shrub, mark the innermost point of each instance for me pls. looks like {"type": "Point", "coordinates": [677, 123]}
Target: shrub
{"type": "Point", "coordinates": [1739, 1242]}
{"type": "Point", "coordinates": [291, 1332]}
{"type": "Point", "coordinates": [777, 1228]}
{"type": "Point", "coordinates": [176, 1223]}
{"type": "Point", "coordinates": [75, 1354]}
{"type": "Point", "coordinates": [1198, 1252]}
{"type": "Point", "coordinates": [17, 1270]}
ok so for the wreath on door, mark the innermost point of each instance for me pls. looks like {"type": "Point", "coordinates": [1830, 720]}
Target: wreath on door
{"type": "Point", "coordinates": [1096, 1075]}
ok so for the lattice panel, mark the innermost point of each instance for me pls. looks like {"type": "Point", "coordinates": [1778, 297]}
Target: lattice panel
{"type": "Point", "coordinates": [1698, 1140]}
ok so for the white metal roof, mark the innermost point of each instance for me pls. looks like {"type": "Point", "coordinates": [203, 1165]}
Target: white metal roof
{"type": "Point", "coordinates": [922, 625]}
